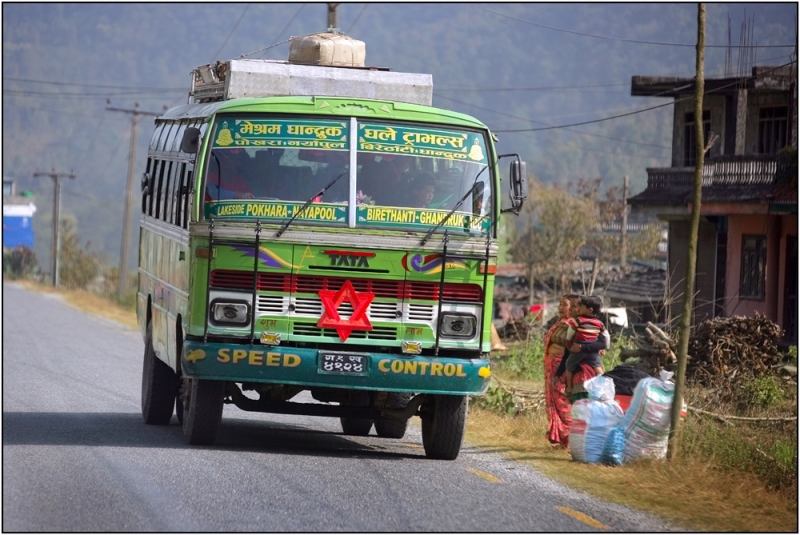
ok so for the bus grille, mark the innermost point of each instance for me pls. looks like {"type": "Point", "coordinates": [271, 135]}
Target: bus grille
{"type": "Point", "coordinates": [377, 333]}
{"type": "Point", "coordinates": [228, 279]}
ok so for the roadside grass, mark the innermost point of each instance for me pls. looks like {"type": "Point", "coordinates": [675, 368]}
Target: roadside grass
{"type": "Point", "coordinates": [88, 302]}
{"type": "Point", "coordinates": [691, 492]}
{"type": "Point", "coordinates": [715, 485]}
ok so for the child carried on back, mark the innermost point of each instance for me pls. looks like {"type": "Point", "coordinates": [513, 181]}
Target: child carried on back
{"type": "Point", "coordinates": [590, 335]}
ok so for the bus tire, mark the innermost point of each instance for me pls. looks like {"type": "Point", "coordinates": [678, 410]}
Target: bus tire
{"type": "Point", "coordinates": [394, 428]}
{"type": "Point", "coordinates": [358, 427]}
{"type": "Point", "coordinates": [179, 408]}
{"type": "Point", "coordinates": [201, 421]}
{"type": "Point", "coordinates": [159, 385]}
{"type": "Point", "coordinates": [443, 427]}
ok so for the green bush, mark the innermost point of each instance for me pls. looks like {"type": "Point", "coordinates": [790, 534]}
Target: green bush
{"type": "Point", "coordinates": [19, 263]}
{"type": "Point", "coordinates": [763, 392]}
{"type": "Point", "coordinates": [497, 400]}
{"type": "Point", "coordinates": [78, 266]}
{"type": "Point", "coordinates": [525, 360]}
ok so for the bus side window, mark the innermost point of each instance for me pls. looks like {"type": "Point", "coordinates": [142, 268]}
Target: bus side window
{"type": "Point", "coordinates": [162, 142]}
{"type": "Point", "coordinates": [156, 136]}
{"type": "Point", "coordinates": [176, 195]}
{"type": "Point", "coordinates": [159, 187]}
{"type": "Point", "coordinates": [187, 193]}
{"type": "Point", "coordinates": [169, 177]}
{"type": "Point", "coordinates": [147, 193]}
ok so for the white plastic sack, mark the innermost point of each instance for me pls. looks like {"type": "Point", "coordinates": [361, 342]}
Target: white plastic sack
{"type": "Point", "coordinates": [646, 423]}
{"type": "Point", "coordinates": [592, 419]}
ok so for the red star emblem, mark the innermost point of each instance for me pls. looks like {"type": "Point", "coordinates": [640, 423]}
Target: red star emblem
{"type": "Point", "coordinates": [358, 321]}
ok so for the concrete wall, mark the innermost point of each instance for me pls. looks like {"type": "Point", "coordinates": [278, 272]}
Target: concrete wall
{"type": "Point", "coordinates": [735, 138]}
{"type": "Point", "coordinates": [713, 103]}
{"type": "Point", "coordinates": [705, 271]}
{"type": "Point", "coordinates": [777, 228]}
{"type": "Point", "coordinates": [755, 101]}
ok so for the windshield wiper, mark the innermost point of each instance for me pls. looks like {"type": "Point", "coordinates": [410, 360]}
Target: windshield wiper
{"type": "Point", "coordinates": [309, 201]}
{"type": "Point", "coordinates": [451, 212]}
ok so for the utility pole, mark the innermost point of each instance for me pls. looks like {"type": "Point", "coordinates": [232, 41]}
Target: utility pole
{"type": "Point", "coordinates": [623, 256]}
{"type": "Point", "coordinates": [56, 216]}
{"type": "Point", "coordinates": [126, 221]}
{"type": "Point", "coordinates": [333, 16]}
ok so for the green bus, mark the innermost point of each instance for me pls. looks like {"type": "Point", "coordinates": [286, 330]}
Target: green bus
{"type": "Point", "coordinates": [343, 246]}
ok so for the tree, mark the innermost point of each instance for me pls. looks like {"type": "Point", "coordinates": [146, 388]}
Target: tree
{"type": "Point", "coordinates": [78, 267]}
{"type": "Point", "coordinates": [691, 250]}
{"type": "Point", "coordinates": [644, 244]}
{"type": "Point", "coordinates": [551, 229]}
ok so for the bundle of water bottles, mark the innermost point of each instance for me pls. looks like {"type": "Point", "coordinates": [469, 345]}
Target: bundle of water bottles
{"type": "Point", "coordinates": [602, 432]}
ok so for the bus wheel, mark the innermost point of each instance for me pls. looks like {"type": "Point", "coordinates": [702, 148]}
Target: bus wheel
{"type": "Point", "coordinates": [356, 426]}
{"type": "Point", "coordinates": [202, 419]}
{"type": "Point", "coordinates": [443, 427]}
{"type": "Point", "coordinates": [159, 385]}
{"type": "Point", "coordinates": [394, 428]}
{"type": "Point", "coordinates": [179, 407]}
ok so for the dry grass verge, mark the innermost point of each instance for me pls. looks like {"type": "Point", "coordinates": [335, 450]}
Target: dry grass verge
{"type": "Point", "coordinates": [688, 492]}
{"type": "Point", "coordinates": [87, 302]}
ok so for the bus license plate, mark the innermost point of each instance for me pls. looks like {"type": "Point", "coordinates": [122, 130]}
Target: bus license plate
{"type": "Point", "coordinates": [343, 363]}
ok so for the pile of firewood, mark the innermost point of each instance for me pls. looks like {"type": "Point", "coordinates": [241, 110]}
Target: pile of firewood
{"type": "Point", "coordinates": [655, 351]}
{"type": "Point", "coordinates": [726, 350]}
{"type": "Point", "coordinates": [515, 330]}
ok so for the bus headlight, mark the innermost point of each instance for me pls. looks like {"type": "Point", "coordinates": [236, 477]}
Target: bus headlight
{"type": "Point", "coordinates": [227, 312]}
{"type": "Point", "coordinates": [459, 325]}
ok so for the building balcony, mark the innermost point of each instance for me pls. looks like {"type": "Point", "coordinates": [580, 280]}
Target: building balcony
{"type": "Point", "coordinates": [748, 170]}
{"type": "Point", "coordinates": [761, 179]}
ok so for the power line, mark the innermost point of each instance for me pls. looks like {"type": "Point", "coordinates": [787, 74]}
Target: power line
{"type": "Point", "coordinates": [357, 17]}
{"type": "Point", "coordinates": [231, 33]}
{"type": "Point", "coordinates": [672, 103]}
{"type": "Point", "coordinates": [626, 40]}
{"type": "Point", "coordinates": [47, 109]}
{"type": "Point", "coordinates": [96, 86]}
{"type": "Point", "coordinates": [544, 88]}
{"type": "Point", "coordinates": [61, 94]}
{"type": "Point", "coordinates": [539, 122]}
{"type": "Point", "coordinates": [291, 20]}
{"type": "Point", "coordinates": [96, 130]}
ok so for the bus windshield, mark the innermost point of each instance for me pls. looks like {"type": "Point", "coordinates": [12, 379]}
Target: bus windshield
{"type": "Point", "coordinates": [406, 176]}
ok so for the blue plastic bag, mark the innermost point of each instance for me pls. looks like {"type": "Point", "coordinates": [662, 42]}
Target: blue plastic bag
{"type": "Point", "coordinates": [593, 419]}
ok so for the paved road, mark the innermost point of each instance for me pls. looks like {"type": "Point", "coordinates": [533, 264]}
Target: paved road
{"type": "Point", "coordinates": [77, 457]}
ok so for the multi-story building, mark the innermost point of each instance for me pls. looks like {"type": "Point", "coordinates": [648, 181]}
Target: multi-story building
{"type": "Point", "coordinates": [747, 240]}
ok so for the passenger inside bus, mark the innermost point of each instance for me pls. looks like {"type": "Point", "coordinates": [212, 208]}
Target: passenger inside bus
{"type": "Point", "coordinates": [423, 189]}
{"type": "Point", "coordinates": [384, 180]}
{"type": "Point", "coordinates": [231, 182]}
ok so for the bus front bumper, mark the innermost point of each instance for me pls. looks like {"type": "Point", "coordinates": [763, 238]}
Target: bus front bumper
{"type": "Point", "coordinates": [335, 369]}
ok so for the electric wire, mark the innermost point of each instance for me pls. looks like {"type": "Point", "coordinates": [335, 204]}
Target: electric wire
{"type": "Point", "coordinates": [672, 103]}
{"type": "Point", "coordinates": [83, 160]}
{"type": "Point", "coordinates": [539, 122]}
{"type": "Point", "coordinates": [626, 40]}
{"type": "Point", "coordinates": [225, 42]}
{"type": "Point", "coordinates": [352, 24]}
{"type": "Point", "coordinates": [291, 20]}
{"type": "Point", "coordinates": [96, 86]}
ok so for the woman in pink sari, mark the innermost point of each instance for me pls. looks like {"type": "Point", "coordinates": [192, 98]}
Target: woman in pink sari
{"type": "Point", "coordinates": [558, 407]}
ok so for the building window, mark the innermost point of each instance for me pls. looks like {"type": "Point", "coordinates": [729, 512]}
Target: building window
{"type": "Point", "coordinates": [754, 267]}
{"type": "Point", "coordinates": [773, 125]}
{"type": "Point", "coordinates": [689, 150]}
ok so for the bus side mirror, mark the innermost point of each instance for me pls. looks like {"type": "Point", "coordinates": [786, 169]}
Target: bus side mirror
{"type": "Point", "coordinates": [191, 140]}
{"type": "Point", "coordinates": [519, 183]}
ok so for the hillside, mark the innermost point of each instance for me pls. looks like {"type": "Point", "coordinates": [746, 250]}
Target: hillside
{"type": "Point", "coordinates": [514, 66]}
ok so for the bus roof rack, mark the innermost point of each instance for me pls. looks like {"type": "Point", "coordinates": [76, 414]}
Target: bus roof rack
{"type": "Point", "coordinates": [247, 78]}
